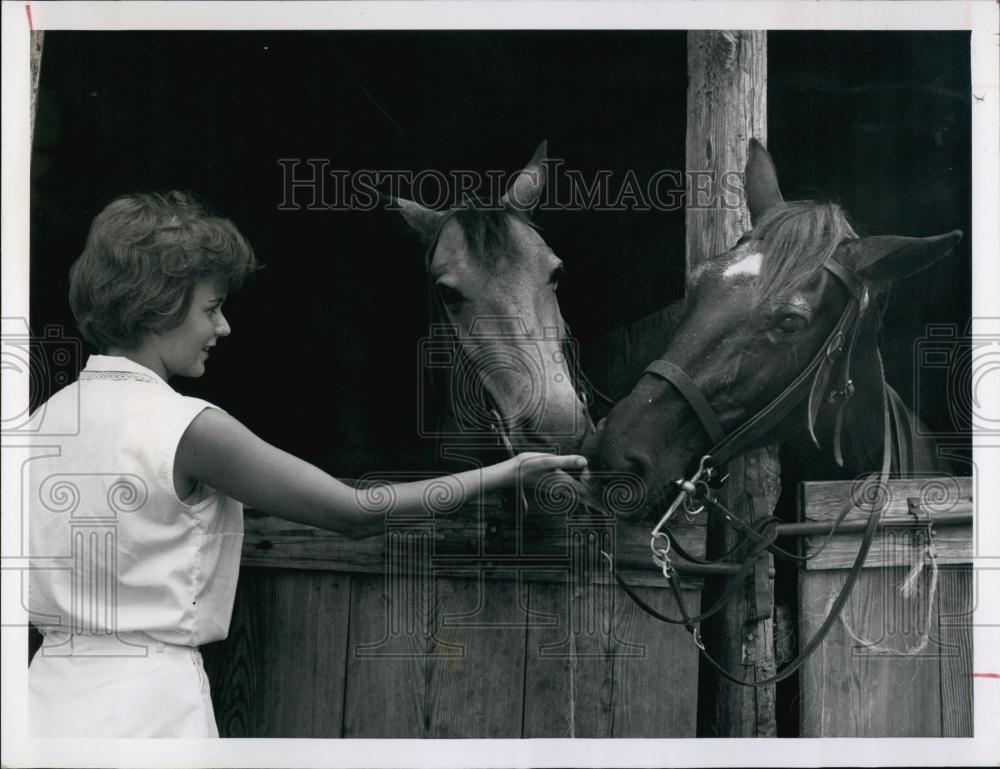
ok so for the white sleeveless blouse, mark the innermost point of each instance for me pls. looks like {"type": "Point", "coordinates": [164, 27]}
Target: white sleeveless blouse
{"type": "Point", "coordinates": [117, 551]}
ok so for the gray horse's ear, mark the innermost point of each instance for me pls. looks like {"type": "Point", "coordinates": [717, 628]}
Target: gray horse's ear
{"type": "Point", "coordinates": [884, 258]}
{"type": "Point", "coordinates": [760, 181]}
{"type": "Point", "coordinates": [525, 191]}
{"type": "Point", "coordinates": [424, 221]}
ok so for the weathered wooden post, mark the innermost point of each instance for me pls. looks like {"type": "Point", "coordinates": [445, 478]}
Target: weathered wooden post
{"type": "Point", "coordinates": [727, 104]}
{"type": "Point", "coordinates": [37, 42]}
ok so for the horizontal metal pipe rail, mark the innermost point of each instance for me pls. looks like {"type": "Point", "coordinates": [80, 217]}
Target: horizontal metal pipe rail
{"type": "Point", "coordinates": [963, 517]}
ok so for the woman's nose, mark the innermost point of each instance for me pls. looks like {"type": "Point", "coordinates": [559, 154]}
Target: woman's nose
{"type": "Point", "coordinates": [222, 327]}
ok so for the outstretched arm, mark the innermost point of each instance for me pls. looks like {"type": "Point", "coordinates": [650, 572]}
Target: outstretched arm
{"type": "Point", "coordinates": [221, 452]}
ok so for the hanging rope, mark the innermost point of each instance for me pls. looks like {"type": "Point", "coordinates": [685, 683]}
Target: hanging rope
{"type": "Point", "coordinates": [907, 589]}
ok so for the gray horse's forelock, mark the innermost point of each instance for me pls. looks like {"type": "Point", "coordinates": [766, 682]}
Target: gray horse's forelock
{"type": "Point", "coordinates": [487, 231]}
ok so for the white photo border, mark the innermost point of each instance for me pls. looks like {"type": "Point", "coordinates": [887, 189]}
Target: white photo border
{"type": "Point", "coordinates": [978, 16]}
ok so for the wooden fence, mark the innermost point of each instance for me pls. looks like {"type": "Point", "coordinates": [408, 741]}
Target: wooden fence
{"type": "Point", "coordinates": [476, 624]}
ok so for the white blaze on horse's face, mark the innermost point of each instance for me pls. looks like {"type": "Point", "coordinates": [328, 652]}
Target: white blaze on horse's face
{"type": "Point", "coordinates": [748, 265]}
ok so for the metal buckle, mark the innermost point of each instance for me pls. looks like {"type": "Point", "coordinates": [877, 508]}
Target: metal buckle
{"type": "Point", "coordinates": [688, 488]}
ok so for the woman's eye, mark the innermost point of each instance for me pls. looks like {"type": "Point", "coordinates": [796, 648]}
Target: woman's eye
{"type": "Point", "coordinates": [792, 324]}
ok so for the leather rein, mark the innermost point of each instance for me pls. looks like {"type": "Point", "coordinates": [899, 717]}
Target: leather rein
{"type": "Point", "coordinates": [695, 492]}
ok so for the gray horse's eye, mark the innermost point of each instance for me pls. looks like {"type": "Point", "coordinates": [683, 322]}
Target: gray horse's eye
{"type": "Point", "coordinates": [450, 296]}
{"type": "Point", "coordinates": [555, 276]}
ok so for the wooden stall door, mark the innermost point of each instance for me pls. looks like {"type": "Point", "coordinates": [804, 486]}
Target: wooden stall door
{"type": "Point", "coordinates": [332, 638]}
{"type": "Point", "coordinates": [894, 665]}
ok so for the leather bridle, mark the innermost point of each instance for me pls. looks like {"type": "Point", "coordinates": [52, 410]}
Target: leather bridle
{"type": "Point", "coordinates": [695, 492]}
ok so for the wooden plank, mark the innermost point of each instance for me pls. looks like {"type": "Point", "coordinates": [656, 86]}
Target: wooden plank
{"type": "Point", "coordinates": [35, 67]}
{"type": "Point", "coordinates": [824, 501]}
{"type": "Point", "coordinates": [479, 694]}
{"type": "Point", "coordinates": [899, 696]}
{"type": "Point", "coordinates": [569, 670]}
{"type": "Point", "coordinates": [389, 648]}
{"type": "Point", "coordinates": [549, 690]}
{"type": "Point", "coordinates": [304, 654]}
{"type": "Point", "coordinates": [281, 672]}
{"type": "Point", "coordinates": [655, 695]}
{"type": "Point", "coordinates": [596, 663]}
{"type": "Point", "coordinates": [741, 637]}
{"type": "Point", "coordinates": [457, 541]}
{"type": "Point", "coordinates": [955, 628]}
{"type": "Point", "coordinates": [727, 105]}
{"type": "Point", "coordinates": [232, 665]}
{"type": "Point", "coordinates": [874, 689]}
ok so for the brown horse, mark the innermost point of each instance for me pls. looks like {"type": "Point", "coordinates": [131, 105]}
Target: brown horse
{"type": "Point", "coordinates": [500, 341]}
{"type": "Point", "coordinates": [755, 326]}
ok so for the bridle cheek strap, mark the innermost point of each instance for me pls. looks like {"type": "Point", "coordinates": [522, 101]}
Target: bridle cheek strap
{"type": "Point", "coordinates": [692, 394]}
{"type": "Point", "coordinates": [724, 447]}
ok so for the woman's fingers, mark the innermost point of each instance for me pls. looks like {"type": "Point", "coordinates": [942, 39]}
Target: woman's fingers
{"type": "Point", "coordinates": [534, 466]}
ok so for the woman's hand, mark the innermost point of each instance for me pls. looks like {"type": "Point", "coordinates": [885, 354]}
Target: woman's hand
{"type": "Point", "coordinates": [532, 468]}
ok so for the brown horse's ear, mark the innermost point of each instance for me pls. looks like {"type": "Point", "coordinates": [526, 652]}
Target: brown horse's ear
{"type": "Point", "coordinates": [885, 258]}
{"type": "Point", "coordinates": [424, 221]}
{"type": "Point", "coordinates": [760, 181]}
{"type": "Point", "coordinates": [527, 187]}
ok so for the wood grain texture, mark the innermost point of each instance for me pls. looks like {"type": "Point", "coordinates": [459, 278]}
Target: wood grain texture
{"type": "Point", "coordinates": [824, 501]}
{"type": "Point", "coordinates": [232, 665]}
{"type": "Point", "coordinates": [955, 596]}
{"type": "Point", "coordinates": [389, 648]}
{"type": "Point", "coordinates": [457, 540]}
{"type": "Point", "coordinates": [549, 673]}
{"type": "Point", "coordinates": [854, 690]}
{"type": "Point", "coordinates": [37, 46]}
{"type": "Point", "coordinates": [570, 661]}
{"type": "Point", "coordinates": [727, 105]}
{"type": "Point", "coordinates": [655, 694]}
{"type": "Point", "coordinates": [305, 653]}
{"type": "Point", "coordinates": [480, 693]}
{"type": "Point", "coordinates": [742, 636]}
{"type": "Point", "coordinates": [434, 636]}
{"type": "Point", "coordinates": [598, 667]}
{"type": "Point", "coordinates": [281, 671]}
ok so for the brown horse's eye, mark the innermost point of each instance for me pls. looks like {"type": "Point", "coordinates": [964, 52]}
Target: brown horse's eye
{"type": "Point", "coordinates": [450, 296]}
{"type": "Point", "coordinates": [792, 324]}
